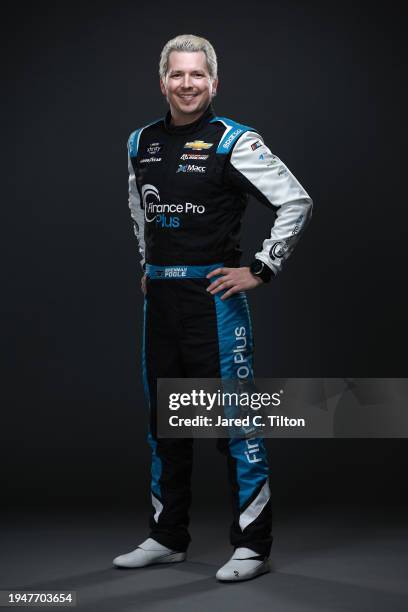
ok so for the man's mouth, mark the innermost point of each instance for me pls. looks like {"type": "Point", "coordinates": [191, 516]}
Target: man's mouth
{"type": "Point", "coordinates": [187, 97]}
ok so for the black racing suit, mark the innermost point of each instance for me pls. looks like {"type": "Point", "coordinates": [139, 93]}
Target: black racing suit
{"type": "Point", "coordinates": [188, 189]}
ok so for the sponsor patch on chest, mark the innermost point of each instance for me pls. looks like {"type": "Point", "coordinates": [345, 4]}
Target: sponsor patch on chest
{"type": "Point", "coordinates": [154, 148]}
{"type": "Point", "coordinates": [198, 145]}
{"type": "Point", "coordinates": [149, 160]}
{"type": "Point", "coordinates": [152, 153]}
{"type": "Point", "coordinates": [191, 168]}
{"type": "Point", "coordinates": [194, 156]}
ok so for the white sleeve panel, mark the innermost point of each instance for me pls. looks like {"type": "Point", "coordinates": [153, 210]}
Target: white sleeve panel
{"type": "Point", "coordinates": [136, 210]}
{"type": "Point", "coordinates": [272, 182]}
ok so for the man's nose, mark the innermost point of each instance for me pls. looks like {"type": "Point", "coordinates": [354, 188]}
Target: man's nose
{"type": "Point", "coordinates": [186, 81]}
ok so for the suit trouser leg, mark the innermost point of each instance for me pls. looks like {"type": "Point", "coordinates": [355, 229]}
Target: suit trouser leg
{"type": "Point", "coordinates": [171, 458]}
{"type": "Point", "coordinates": [217, 343]}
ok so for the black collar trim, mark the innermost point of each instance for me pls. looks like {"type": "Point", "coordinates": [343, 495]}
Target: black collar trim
{"type": "Point", "coordinates": [189, 128]}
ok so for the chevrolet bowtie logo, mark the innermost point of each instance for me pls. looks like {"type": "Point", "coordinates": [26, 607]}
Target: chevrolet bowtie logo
{"type": "Point", "coordinates": [198, 145]}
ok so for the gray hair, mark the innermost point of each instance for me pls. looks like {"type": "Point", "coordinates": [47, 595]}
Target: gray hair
{"type": "Point", "coordinates": [190, 43]}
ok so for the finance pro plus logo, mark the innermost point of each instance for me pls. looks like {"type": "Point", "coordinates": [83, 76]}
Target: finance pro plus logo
{"type": "Point", "coordinates": [166, 215]}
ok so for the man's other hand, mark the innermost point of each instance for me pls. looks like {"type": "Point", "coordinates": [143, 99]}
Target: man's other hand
{"type": "Point", "coordinates": [232, 280]}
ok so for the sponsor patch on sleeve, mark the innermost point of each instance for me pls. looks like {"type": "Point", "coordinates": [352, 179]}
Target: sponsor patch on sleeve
{"type": "Point", "coordinates": [255, 145]}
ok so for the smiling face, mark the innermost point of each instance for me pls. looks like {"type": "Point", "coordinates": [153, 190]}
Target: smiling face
{"type": "Point", "coordinates": [187, 86]}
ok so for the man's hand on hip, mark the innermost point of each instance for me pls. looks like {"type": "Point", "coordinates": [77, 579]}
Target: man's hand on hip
{"type": "Point", "coordinates": [232, 280]}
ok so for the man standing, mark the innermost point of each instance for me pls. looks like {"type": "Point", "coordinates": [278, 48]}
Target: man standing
{"type": "Point", "coordinates": [189, 179]}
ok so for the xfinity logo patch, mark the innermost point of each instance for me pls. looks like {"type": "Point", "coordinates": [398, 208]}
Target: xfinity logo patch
{"type": "Point", "coordinates": [191, 168]}
{"type": "Point", "coordinates": [153, 148]}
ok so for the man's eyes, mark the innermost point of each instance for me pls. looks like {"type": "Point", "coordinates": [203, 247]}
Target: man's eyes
{"type": "Point", "coordinates": [194, 74]}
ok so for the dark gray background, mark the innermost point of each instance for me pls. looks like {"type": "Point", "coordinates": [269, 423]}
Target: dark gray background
{"type": "Point", "coordinates": [321, 84]}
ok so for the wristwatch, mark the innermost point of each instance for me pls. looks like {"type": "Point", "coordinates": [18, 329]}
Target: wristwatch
{"type": "Point", "coordinates": [258, 268]}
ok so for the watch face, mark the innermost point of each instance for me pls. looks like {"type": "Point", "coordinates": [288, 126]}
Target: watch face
{"type": "Point", "coordinates": [257, 267]}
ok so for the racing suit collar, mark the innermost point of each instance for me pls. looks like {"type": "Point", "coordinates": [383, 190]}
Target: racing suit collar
{"type": "Point", "coordinates": [189, 128]}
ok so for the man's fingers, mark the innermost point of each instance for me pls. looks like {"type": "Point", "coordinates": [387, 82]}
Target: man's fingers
{"type": "Point", "coordinates": [215, 284]}
{"type": "Point", "coordinates": [215, 288]}
{"type": "Point", "coordinates": [220, 288]}
{"type": "Point", "coordinates": [229, 288]}
{"type": "Point", "coordinates": [217, 272]}
{"type": "Point", "coordinates": [230, 292]}
{"type": "Point", "coordinates": [220, 284]}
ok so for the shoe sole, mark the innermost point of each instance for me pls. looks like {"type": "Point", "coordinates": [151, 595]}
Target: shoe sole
{"type": "Point", "coordinates": [174, 558]}
{"type": "Point", "coordinates": [262, 569]}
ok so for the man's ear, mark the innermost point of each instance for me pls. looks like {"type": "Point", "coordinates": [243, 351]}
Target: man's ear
{"type": "Point", "coordinates": [214, 87]}
{"type": "Point", "coordinates": [162, 87]}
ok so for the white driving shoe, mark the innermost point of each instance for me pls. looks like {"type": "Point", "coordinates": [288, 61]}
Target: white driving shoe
{"type": "Point", "coordinates": [243, 565]}
{"type": "Point", "coordinates": [147, 553]}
